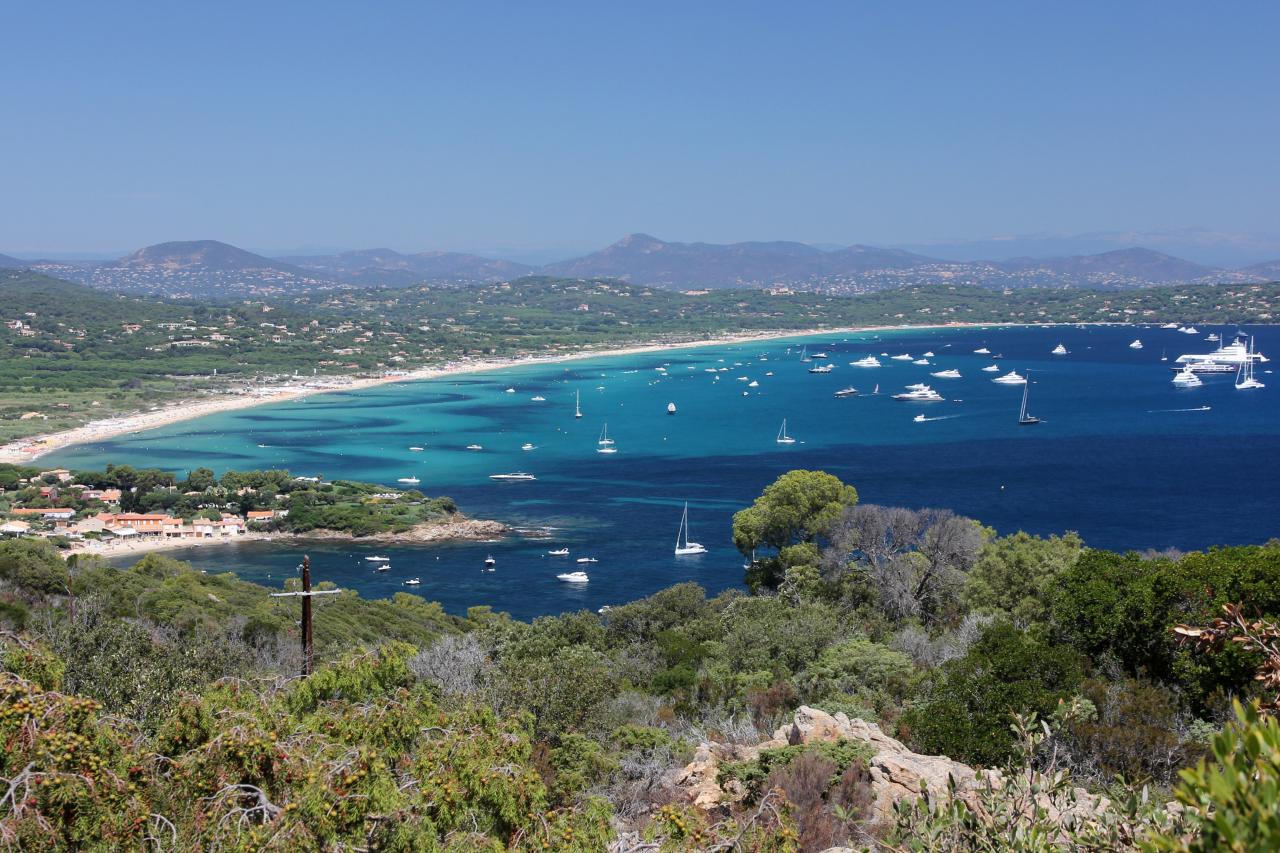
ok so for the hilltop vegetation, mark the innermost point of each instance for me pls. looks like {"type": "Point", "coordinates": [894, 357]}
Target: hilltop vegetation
{"type": "Point", "coordinates": [425, 731]}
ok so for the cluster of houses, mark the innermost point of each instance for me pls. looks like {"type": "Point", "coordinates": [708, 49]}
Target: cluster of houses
{"type": "Point", "coordinates": [107, 525]}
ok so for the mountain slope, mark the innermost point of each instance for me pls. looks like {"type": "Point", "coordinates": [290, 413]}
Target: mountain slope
{"type": "Point", "coordinates": [1265, 271]}
{"type": "Point", "coordinates": [386, 267]}
{"type": "Point", "coordinates": [1135, 263]}
{"type": "Point", "coordinates": [204, 255]}
{"type": "Point", "coordinates": [9, 263]}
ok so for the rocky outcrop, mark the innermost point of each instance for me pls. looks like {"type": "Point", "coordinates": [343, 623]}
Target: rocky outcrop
{"type": "Point", "coordinates": [897, 773]}
{"type": "Point", "coordinates": [452, 528]}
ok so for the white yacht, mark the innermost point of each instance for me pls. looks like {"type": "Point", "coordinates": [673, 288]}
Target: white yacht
{"type": "Point", "coordinates": [825, 368]}
{"type": "Point", "coordinates": [951, 373]}
{"type": "Point", "coordinates": [409, 481]}
{"type": "Point", "coordinates": [1186, 378]}
{"type": "Point", "coordinates": [609, 449]}
{"type": "Point", "coordinates": [586, 560]}
{"type": "Point", "coordinates": [920, 394]}
{"type": "Point", "coordinates": [847, 392]}
{"type": "Point", "coordinates": [1169, 326]}
{"type": "Point", "coordinates": [1137, 344]}
{"type": "Point", "coordinates": [921, 361]}
{"type": "Point", "coordinates": [1190, 330]}
{"type": "Point", "coordinates": [378, 559]}
{"type": "Point", "coordinates": [982, 351]}
{"type": "Point", "coordinates": [920, 419]}
{"type": "Point", "coordinates": [528, 446]}
{"type": "Point", "coordinates": [573, 577]}
{"type": "Point", "coordinates": [475, 447]}
{"type": "Point", "coordinates": [539, 399]}
{"type": "Point", "coordinates": [903, 357]}
{"type": "Point", "coordinates": [929, 354]}
{"type": "Point", "coordinates": [819, 355]}
{"type": "Point", "coordinates": [1010, 378]}
{"type": "Point", "coordinates": [1225, 359]}
{"type": "Point", "coordinates": [417, 449]}
{"type": "Point", "coordinates": [1059, 350]}
{"type": "Point", "coordinates": [687, 548]}
{"type": "Point", "coordinates": [514, 477]}
{"type": "Point", "coordinates": [510, 391]}
{"type": "Point", "coordinates": [991, 368]}
{"type": "Point", "coordinates": [558, 552]}
{"type": "Point", "coordinates": [1213, 337]}
{"type": "Point", "coordinates": [783, 438]}
{"type": "Point", "coordinates": [412, 582]}
{"type": "Point", "coordinates": [869, 361]}
{"type": "Point", "coordinates": [671, 407]}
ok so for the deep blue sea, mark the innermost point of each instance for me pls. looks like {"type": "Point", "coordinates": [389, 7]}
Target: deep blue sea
{"type": "Point", "coordinates": [1122, 456]}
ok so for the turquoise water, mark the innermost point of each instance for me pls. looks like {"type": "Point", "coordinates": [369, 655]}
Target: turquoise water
{"type": "Point", "coordinates": [1118, 458]}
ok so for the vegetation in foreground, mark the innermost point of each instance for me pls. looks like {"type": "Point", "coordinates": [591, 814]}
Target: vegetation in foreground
{"type": "Point", "coordinates": [154, 707]}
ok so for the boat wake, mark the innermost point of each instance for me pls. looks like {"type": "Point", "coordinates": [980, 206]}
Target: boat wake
{"type": "Point", "coordinates": [1167, 411]}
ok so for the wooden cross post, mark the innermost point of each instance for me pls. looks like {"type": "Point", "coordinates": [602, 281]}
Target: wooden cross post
{"type": "Point", "coordinates": [308, 659]}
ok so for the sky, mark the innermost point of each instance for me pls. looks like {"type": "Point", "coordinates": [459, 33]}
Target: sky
{"type": "Point", "coordinates": [553, 127]}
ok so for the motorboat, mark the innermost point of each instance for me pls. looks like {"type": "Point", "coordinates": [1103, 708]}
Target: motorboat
{"type": "Point", "coordinates": [920, 419]}
{"type": "Point", "coordinates": [982, 351]}
{"type": "Point", "coordinates": [417, 449]}
{"type": "Point", "coordinates": [514, 477]}
{"type": "Point", "coordinates": [825, 368]}
{"type": "Point", "coordinates": [489, 563]}
{"type": "Point", "coordinates": [1187, 378]}
{"type": "Point", "coordinates": [413, 582]}
{"type": "Point", "coordinates": [475, 447]}
{"type": "Point", "coordinates": [558, 552]}
{"type": "Point", "coordinates": [903, 357]}
{"type": "Point", "coordinates": [509, 391]}
{"type": "Point", "coordinates": [1010, 378]}
{"type": "Point", "coordinates": [869, 361]}
{"type": "Point", "coordinates": [929, 354]}
{"type": "Point", "coordinates": [921, 361]}
{"type": "Point", "coordinates": [573, 577]}
{"type": "Point", "coordinates": [378, 559]}
{"type": "Point", "coordinates": [1190, 330]}
{"type": "Point", "coordinates": [538, 399]}
{"type": "Point", "coordinates": [684, 547]}
{"type": "Point", "coordinates": [991, 368]}
{"type": "Point", "coordinates": [1058, 350]}
{"type": "Point", "coordinates": [847, 392]}
{"type": "Point", "coordinates": [382, 567]}
{"type": "Point", "coordinates": [586, 560]}
{"type": "Point", "coordinates": [819, 355]}
{"type": "Point", "coordinates": [1137, 344]}
{"type": "Point", "coordinates": [528, 446]}
{"type": "Point", "coordinates": [671, 407]}
{"type": "Point", "coordinates": [1169, 326]}
{"type": "Point", "coordinates": [753, 384]}
{"type": "Point", "coordinates": [922, 394]}
{"type": "Point", "coordinates": [951, 373]}
{"type": "Point", "coordinates": [409, 481]}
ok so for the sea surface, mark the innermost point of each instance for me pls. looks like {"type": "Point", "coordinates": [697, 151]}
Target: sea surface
{"type": "Point", "coordinates": [1122, 456]}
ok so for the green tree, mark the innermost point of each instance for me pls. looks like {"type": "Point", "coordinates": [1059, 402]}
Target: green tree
{"type": "Point", "coordinates": [791, 516]}
{"type": "Point", "coordinates": [1014, 575]}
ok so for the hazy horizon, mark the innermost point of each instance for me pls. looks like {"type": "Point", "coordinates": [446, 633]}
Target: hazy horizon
{"type": "Point", "coordinates": [525, 131]}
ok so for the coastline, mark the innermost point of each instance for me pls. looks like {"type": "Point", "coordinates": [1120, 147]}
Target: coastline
{"type": "Point", "coordinates": [26, 450]}
{"type": "Point", "coordinates": [428, 533]}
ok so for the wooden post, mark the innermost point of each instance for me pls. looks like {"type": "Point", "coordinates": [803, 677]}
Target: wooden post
{"type": "Point", "coordinates": [307, 654]}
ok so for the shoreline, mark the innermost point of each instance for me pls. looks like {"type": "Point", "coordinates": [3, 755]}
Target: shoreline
{"type": "Point", "coordinates": [27, 450]}
{"type": "Point", "coordinates": [429, 533]}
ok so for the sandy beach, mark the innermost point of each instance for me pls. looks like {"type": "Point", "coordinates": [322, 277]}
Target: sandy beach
{"type": "Point", "coordinates": [26, 450]}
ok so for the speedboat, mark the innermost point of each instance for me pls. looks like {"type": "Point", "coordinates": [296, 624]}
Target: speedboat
{"type": "Point", "coordinates": [1137, 344]}
{"type": "Point", "coordinates": [982, 351]}
{"type": "Point", "coordinates": [903, 357]}
{"type": "Point", "coordinates": [1213, 337]}
{"type": "Point", "coordinates": [382, 567]}
{"type": "Point", "coordinates": [510, 391]}
{"type": "Point", "coordinates": [921, 361]}
{"type": "Point", "coordinates": [573, 577]}
{"type": "Point", "coordinates": [952, 373]}
{"type": "Point", "coordinates": [516, 476]}
{"type": "Point", "coordinates": [475, 447]}
{"type": "Point", "coordinates": [1011, 378]}
{"type": "Point", "coordinates": [922, 394]}
{"type": "Point", "coordinates": [929, 354]}
{"type": "Point", "coordinates": [920, 419]}
{"type": "Point", "coordinates": [825, 368]}
{"type": "Point", "coordinates": [538, 399]}
{"type": "Point", "coordinates": [1186, 378]}
{"type": "Point", "coordinates": [869, 361]}
{"type": "Point", "coordinates": [1059, 350]}
{"type": "Point", "coordinates": [417, 449]}
{"type": "Point", "coordinates": [489, 563]}
{"type": "Point", "coordinates": [819, 355]}
{"type": "Point", "coordinates": [409, 481]}
{"type": "Point", "coordinates": [847, 392]}
{"type": "Point", "coordinates": [991, 368]}
{"type": "Point", "coordinates": [528, 446]}
{"type": "Point", "coordinates": [378, 559]}
{"type": "Point", "coordinates": [559, 552]}
{"type": "Point", "coordinates": [586, 560]}
{"type": "Point", "coordinates": [413, 582]}
{"type": "Point", "coordinates": [753, 384]}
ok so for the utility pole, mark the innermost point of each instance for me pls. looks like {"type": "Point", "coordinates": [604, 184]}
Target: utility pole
{"type": "Point", "coordinates": [306, 594]}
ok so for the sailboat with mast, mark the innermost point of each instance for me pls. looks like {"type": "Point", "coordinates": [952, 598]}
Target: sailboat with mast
{"type": "Point", "coordinates": [1244, 374]}
{"type": "Point", "coordinates": [783, 438]}
{"type": "Point", "coordinates": [577, 404]}
{"type": "Point", "coordinates": [604, 440]}
{"type": "Point", "coordinates": [1024, 418]}
{"type": "Point", "coordinates": [682, 536]}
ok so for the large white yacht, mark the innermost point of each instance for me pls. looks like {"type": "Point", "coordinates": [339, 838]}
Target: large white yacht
{"type": "Point", "coordinates": [950, 373]}
{"type": "Point", "coordinates": [1186, 378]}
{"type": "Point", "coordinates": [919, 394]}
{"type": "Point", "coordinates": [1225, 359]}
{"type": "Point", "coordinates": [869, 361]}
{"type": "Point", "coordinates": [1011, 378]}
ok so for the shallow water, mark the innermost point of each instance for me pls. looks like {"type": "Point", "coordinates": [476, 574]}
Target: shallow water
{"type": "Point", "coordinates": [1118, 458]}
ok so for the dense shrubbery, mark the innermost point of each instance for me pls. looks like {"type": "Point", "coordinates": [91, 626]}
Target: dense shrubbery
{"type": "Point", "coordinates": [425, 731]}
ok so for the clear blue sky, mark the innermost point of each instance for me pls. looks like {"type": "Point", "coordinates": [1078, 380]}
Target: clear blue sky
{"type": "Point", "coordinates": [566, 125]}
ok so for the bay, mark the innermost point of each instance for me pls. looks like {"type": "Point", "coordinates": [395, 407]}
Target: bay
{"type": "Point", "coordinates": [1122, 456]}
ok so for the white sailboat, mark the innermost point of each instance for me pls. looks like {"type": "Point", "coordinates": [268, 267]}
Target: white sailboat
{"type": "Point", "coordinates": [604, 440]}
{"type": "Point", "coordinates": [577, 404]}
{"type": "Point", "coordinates": [1244, 375]}
{"type": "Point", "coordinates": [1025, 419]}
{"type": "Point", "coordinates": [688, 548]}
{"type": "Point", "coordinates": [783, 438]}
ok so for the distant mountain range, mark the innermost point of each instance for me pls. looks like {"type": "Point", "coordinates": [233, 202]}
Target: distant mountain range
{"type": "Point", "coordinates": [8, 263]}
{"type": "Point", "coordinates": [208, 267]}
